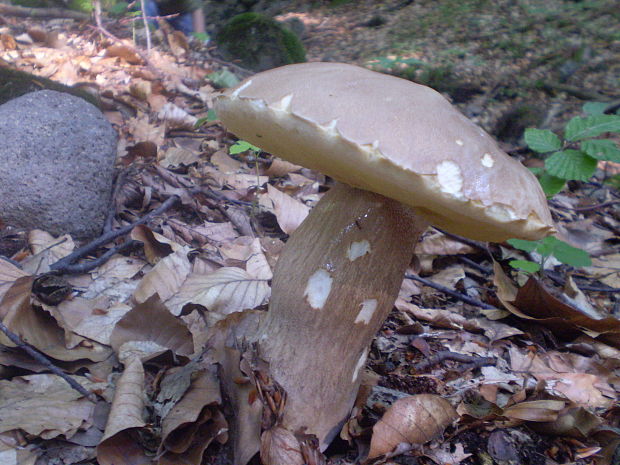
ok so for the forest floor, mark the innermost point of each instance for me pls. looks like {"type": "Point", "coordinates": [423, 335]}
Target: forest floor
{"type": "Point", "coordinates": [528, 362]}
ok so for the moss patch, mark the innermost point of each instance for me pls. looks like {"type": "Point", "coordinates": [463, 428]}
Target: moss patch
{"type": "Point", "coordinates": [259, 42]}
{"type": "Point", "coordinates": [14, 83]}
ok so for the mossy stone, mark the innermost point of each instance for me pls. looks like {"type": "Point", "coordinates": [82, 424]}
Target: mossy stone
{"type": "Point", "coordinates": [14, 83]}
{"type": "Point", "coordinates": [259, 42]}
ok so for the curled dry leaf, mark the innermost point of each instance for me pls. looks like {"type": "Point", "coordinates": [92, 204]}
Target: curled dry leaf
{"type": "Point", "coordinates": [280, 447]}
{"type": "Point", "coordinates": [289, 212]}
{"type": "Point", "coordinates": [535, 410]}
{"type": "Point", "coordinates": [118, 444]}
{"type": "Point", "coordinates": [411, 420]}
{"type": "Point", "coordinates": [152, 322]}
{"type": "Point", "coordinates": [166, 278]}
{"type": "Point", "coordinates": [9, 273]}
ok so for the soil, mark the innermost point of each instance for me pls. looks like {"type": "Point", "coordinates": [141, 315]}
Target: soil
{"type": "Point", "coordinates": [489, 57]}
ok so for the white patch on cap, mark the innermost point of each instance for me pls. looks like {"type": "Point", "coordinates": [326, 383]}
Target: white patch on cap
{"type": "Point", "coordinates": [487, 160]}
{"type": "Point", "coordinates": [449, 177]}
{"type": "Point", "coordinates": [359, 365]}
{"type": "Point", "coordinates": [459, 142]}
{"type": "Point", "coordinates": [258, 104]}
{"type": "Point", "coordinates": [318, 288]}
{"type": "Point", "coordinates": [235, 94]}
{"type": "Point", "coordinates": [367, 311]}
{"type": "Point", "coordinates": [284, 104]}
{"type": "Point", "coordinates": [501, 213]}
{"type": "Point", "coordinates": [358, 249]}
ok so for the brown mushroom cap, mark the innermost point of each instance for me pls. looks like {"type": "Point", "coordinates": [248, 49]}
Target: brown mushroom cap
{"type": "Point", "coordinates": [393, 137]}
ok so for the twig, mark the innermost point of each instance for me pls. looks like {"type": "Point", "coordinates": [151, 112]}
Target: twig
{"type": "Point", "coordinates": [24, 12]}
{"type": "Point", "coordinates": [448, 355]}
{"type": "Point", "coordinates": [64, 263]}
{"type": "Point", "coordinates": [43, 360]}
{"type": "Point", "coordinates": [450, 292]}
{"type": "Point", "coordinates": [469, 262]}
{"type": "Point", "coordinates": [597, 206]}
{"type": "Point", "coordinates": [146, 26]}
{"type": "Point", "coordinates": [85, 267]}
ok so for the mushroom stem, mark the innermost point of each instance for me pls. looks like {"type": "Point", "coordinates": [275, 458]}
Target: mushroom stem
{"type": "Point", "coordinates": [334, 285]}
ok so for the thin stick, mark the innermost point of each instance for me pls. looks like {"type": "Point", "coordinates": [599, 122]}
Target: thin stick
{"type": "Point", "coordinates": [450, 292]}
{"type": "Point", "coordinates": [63, 263]}
{"type": "Point", "coordinates": [43, 360]}
{"type": "Point", "coordinates": [448, 355]}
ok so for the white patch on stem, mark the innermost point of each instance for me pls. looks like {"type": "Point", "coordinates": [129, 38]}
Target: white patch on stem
{"type": "Point", "coordinates": [367, 311]}
{"type": "Point", "coordinates": [358, 249]}
{"type": "Point", "coordinates": [318, 288]}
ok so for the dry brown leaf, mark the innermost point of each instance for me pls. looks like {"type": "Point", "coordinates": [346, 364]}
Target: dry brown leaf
{"type": "Point", "coordinates": [166, 278]}
{"type": "Point", "coordinates": [217, 232]}
{"type": "Point", "coordinates": [9, 273]}
{"type": "Point", "coordinates": [280, 168]}
{"type": "Point", "coordinates": [46, 250]}
{"type": "Point", "coordinates": [178, 156]}
{"type": "Point", "coordinates": [140, 89]}
{"type": "Point", "coordinates": [449, 277]}
{"type": "Point", "coordinates": [151, 322]}
{"type": "Point", "coordinates": [448, 453]}
{"type": "Point", "coordinates": [176, 118]}
{"type": "Point", "coordinates": [436, 243]}
{"type": "Point", "coordinates": [575, 422]}
{"type": "Point", "coordinates": [119, 444]}
{"type": "Point", "coordinates": [257, 265]}
{"type": "Point", "coordinates": [280, 447]}
{"type": "Point", "coordinates": [143, 131]}
{"type": "Point", "coordinates": [226, 164]}
{"type": "Point", "coordinates": [411, 420]}
{"type": "Point", "coordinates": [44, 405]}
{"type": "Point", "coordinates": [606, 269]}
{"type": "Point", "coordinates": [535, 410]}
{"type": "Point", "coordinates": [113, 279]}
{"type": "Point", "coordinates": [39, 329]}
{"type": "Point", "coordinates": [225, 291]}
{"type": "Point", "coordinates": [124, 51]}
{"type": "Point", "coordinates": [198, 406]}
{"type": "Point", "coordinates": [93, 319]}
{"type": "Point", "coordinates": [289, 212]}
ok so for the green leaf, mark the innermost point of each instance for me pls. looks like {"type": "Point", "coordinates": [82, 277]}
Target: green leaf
{"type": "Point", "coordinates": [223, 78]}
{"type": "Point", "coordinates": [242, 146]}
{"type": "Point", "coordinates": [602, 149]}
{"type": "Point", "coordinates": [525, 265]}
{"type": "Point", "coordinates": [571, 164]}
{"type": "Point", "coordinates": [118, 8]}
{"type": "Point", "coordinates": [201, 36]}
{"type": "Point", "coordinates": [550, 184]}
{"type": "Point", "coordinates": [526, 246]}
{"type": "Point", "coordinates": [542, 140]}
{"type": "Point", "coordinates": [594, 108]}
{"type": "Point", "coordinates": [566, 253]}
{"type": "Point", "coordinates": [211, 115]}
{"type": "Point", "coordinates": [583, 128]}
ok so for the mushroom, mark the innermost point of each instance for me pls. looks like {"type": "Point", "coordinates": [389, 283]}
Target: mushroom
{"type": "Point", "coordinates": [403, 157]}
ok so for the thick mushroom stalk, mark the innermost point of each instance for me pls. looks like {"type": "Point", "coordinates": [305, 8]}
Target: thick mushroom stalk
{"type": "Point", "coordinates": [334, 285]}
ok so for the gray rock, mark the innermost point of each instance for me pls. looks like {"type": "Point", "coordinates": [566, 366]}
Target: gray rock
{"type": "Point", "coordinates": [57, 157]}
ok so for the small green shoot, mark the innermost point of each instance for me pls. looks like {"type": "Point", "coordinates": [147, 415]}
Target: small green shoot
{"type": "Point", "coordinates": [548, 247]}
{"type": "Point", "coordinates": [201, 36]}
{"type": "Point", "coordinates": [211, 116]}
{"type": "Point", "coordinates": [242, 146]}
{"type": "Point", "coordinates": [223, 79]}
{"type": "Point", "coordinates": [575, 156]}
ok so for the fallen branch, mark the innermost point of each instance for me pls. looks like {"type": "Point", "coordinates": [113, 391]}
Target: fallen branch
{"type": "Point", "coordinates": [450, 292]}
{"type": "Point", "coordinates": [23, 12]}
{"type": "Point", "coordinates": [473, 362]}
{"type": "Point", "coordinates": [43, 360]}
{"type": "Point", "coordinates": [67, 264]}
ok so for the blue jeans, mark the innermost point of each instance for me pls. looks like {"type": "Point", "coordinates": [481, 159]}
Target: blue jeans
{"type": "Point", "coordinates": [181, 22]}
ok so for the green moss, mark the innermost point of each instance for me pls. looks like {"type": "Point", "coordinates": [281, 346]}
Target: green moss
{"type": "Point", "coordinates": [14, 83]}
{"type": "Point", "coordinates": [259, 42]}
